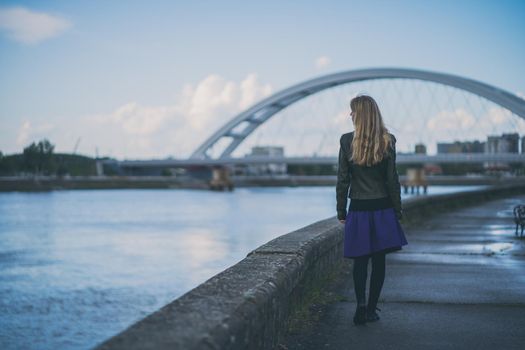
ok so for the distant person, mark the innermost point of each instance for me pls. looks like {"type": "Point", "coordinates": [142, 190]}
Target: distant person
{"type": "Point", "coordinates": [367, 164]}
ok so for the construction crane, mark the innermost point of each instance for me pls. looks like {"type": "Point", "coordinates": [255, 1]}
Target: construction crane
{"type": "Point", "coordinates": [76, 145]}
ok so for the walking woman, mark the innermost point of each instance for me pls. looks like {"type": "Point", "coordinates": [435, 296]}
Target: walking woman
{"type": "Point", "coordinates": [367, 164]}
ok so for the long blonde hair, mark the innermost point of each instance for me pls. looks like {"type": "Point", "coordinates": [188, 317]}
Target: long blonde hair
{"type": "Point", "coordinates": [371, 137]}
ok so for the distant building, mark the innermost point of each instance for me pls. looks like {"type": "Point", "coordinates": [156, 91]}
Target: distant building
{"type": "Point", "coordinates": [270, 168]}
{"type": "Point", "coordinates": [267, 151]}
{"type": "Point", "coordinates": [461, 147]}
{"type": "Point", "coordinates": [523, 144]}
{"type": "Point", "coordinates": [421, 149]}
{"type": "Point", "coordinates": [448, 147]}
{"type": "Point", "coordinates": [511, 142]}
{"type": "Point", "coordinates": [506, 143]}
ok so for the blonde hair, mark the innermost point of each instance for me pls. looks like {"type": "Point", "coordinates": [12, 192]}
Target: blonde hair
{"type": "Point", "coordinates": [371, 137]}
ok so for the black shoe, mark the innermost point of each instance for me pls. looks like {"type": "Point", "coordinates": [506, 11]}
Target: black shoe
{"type": "Point", "coordinates": [360, 315]}
{"type": "Point", "coordinates": [371, 314]}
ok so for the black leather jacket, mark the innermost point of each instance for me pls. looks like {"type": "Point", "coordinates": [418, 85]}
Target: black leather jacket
{"type": "Point", "coordinates": [376, 181]}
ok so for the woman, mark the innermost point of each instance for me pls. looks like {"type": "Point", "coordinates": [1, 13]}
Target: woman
{"type": "Point", "coordinates": [367, 162]}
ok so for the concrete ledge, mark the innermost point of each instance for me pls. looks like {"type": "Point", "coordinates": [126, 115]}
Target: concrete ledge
{"type": "Point", "coordinates": [331, 180]}
{"type": "Point", "coordinates": [247, 306]}
{"type": "Point", "coordinates": [417, 208]}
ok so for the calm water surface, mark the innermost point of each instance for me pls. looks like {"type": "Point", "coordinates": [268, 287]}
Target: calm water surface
{"type": "Point", "coordinates": [77, 267]}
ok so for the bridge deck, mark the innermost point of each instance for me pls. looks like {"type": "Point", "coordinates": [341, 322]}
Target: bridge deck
{"type": "Point", "coordinates": [459, 283]}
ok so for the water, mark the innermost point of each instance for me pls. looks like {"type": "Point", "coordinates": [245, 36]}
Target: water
{"type": "Point", "coordinates": [77, 267]}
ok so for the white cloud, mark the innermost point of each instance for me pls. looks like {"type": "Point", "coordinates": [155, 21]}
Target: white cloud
{"type": "Point", "coordinates": [23, 134]}
{"type": "Point", "coordinates": [30, 27]}
{"type": "Point", "coordinates": [138, 131]}
{"type": "Point", "coordinates": [451, 120]}
{"type": "Point", "coordinates": [521, 94]}
{"type": "Point", "coordinates": [215, 96]}
{"type": "Point", "coordinates": [251, 91]}
{"type": "Point", "coordinates": [32, 133]}
{"type": "Point", "coordinates": [499, 115]}
{"type": "Point", "coordinates": [322, 62]}
{"type": "Point", "coordinates": [211, 97]}
{"type": "Point", "coordinates": [139, 120]}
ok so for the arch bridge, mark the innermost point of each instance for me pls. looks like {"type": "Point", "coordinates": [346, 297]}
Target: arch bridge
{"type": "Point", "coordinates": [245, 123]}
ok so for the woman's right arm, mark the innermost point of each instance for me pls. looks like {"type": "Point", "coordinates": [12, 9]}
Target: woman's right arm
{"type": "Point", "coordinates": [392, 181]}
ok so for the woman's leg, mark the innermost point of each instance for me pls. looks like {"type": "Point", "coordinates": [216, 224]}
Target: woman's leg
{"type": "Point", "coordinates": [360, 274]}
{"type": "Point", "coordinates": [376, 279]}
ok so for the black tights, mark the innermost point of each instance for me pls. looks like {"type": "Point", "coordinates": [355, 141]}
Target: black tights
{"type": "Point", "coordinates": [376, 278]}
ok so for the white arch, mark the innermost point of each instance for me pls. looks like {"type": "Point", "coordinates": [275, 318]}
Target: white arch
{"type": "Point", "coordinates": [265, 109]}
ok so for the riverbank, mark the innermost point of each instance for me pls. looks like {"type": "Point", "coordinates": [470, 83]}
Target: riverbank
{"type": "Point", "coordinates": [44, 183]}
{"type": "Point", "coordinates": [96, 183]}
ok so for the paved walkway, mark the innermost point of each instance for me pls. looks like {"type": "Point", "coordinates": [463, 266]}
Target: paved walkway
{"type": "Point", "coordinates": [458, 284]}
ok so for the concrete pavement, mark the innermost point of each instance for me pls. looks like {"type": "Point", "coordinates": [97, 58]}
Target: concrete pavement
{"type": "Point", "coordinates": [458, 284]}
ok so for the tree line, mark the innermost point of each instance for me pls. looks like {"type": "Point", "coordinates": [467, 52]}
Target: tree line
{"type": "Point", "coordinates": [39, 158]}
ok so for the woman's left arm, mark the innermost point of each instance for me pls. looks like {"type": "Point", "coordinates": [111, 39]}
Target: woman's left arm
{"type": "Point", "coordinates": [343, 182]}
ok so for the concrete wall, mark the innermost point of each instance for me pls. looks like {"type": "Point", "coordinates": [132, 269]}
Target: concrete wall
{"type": "Point", "coordinates": [330, 180]}
{"type": "Point", "coordinates": [247, 305]}
{"type": "Point", "coordinates": [418, 208]}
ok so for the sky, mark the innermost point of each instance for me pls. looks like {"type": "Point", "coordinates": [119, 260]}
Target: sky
{"type": "Point", "coordinates": [153, 79]}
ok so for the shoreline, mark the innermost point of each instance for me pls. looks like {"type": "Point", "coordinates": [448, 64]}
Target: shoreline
{"type": "Point", "coordinates": [44, 183]}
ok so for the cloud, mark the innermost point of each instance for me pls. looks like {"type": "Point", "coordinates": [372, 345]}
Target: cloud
{"type": "Point", "coordinates": [520, 94]}
{"type": "Point", "coordinates": [138, 131]}
{"type": "Point", "coordinates": [139, 120]}
{"type": "Point", "coordinates": [499, 115]}
{"type": "Point", "coordinates": [29, 133]}
{"type": "Point", "coordinates": [322, 62]}
{"type": "Point", "coordinates": [451, 120]}
{"type": "Point", "coordinates": [30, 27]}
{"type": "Point", "coordinates": [215, 96]}
{"type": "Point", "coordinates": [251, 91]}
{"type": "Point", "coordinates": [23, 134]}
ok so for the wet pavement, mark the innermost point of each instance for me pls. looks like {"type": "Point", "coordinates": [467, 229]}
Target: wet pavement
{"type": "Point", "coordinates": [458, 284]}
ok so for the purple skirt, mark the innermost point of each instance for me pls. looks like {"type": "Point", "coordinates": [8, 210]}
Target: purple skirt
{"type": "Point", "coordinates": [372, 231]}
